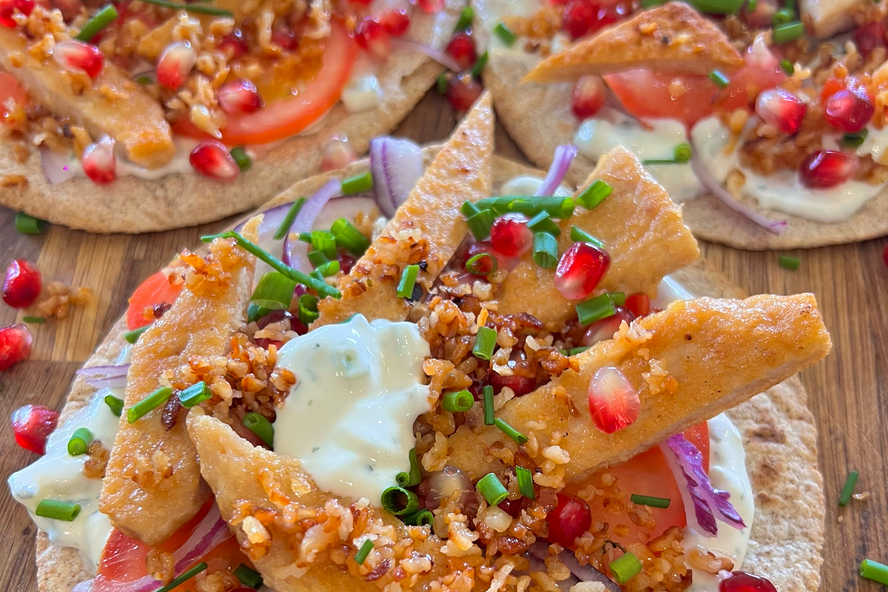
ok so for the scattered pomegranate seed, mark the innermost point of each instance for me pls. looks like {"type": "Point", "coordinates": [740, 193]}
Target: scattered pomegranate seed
{"type": "Point", "coordinates": [849, 110]}
{"type": "Point", "coordinates": [22, 284]}
{"type": "Point", "coordinates": [346, 261]}
{"type": "Point", "coordinates": [79, 57]}
{"type": "Point", "coordinates": [395, 22]}
{"type": "Point", "coordinates": [234, 45]}
{"type": "Point", "coordinates": [581, 17]}
{"type": "Point", "coordinates": [174, 64]}
{"type": "Point", "coordinates": [639, 304]}
{"type": "Point", "coordinates": [570, 519]}
{"type": "Point", "coordinates": [606, 328]}
{"type": "Point", "coordinates": [430, 6]}
{"type": "Point", "coordinates": [99, 162]}
{"type": "Point", "coordinates": [338, 153]}
{"type": "Point", "coordinates": [521, 385]}
{"type": "Point", "coordinates": [782, 109]}
{"type": "Point", "coordinates": [741, 581]}
{"type": "Point", "coordinates": [513, 507]}
{"type": "Point", "coordinates": [885, 256]}
{"type": "Point", "coordinates": [284, 38]}
{"type": "Point", "coordinates": [580, 270]}
{"type": "Point", "coordinates": [484, 265]}
{"type": "Point", "coordinates": [373, 37]}
{"type": "Point", "coordinates": [9, 7]}
{"type": "Point", "coordinates": [613, 401]}
{"type": "Point", "coordinates": [15, 345]}
{"type": "Point", "coordinates": [462, 49]}
{"type": "Point", "coordinates": [827, 168]}
{"type": "Point", "coordinates": [762, 16]}
{"type": "Point", "coordinates": [212, 159]}
{"type": "Point", "coordinates": [462, 91]}
{"type": "Point", "coordinates": [239, 96]}
{"type": "Point", "coordinates": [32, 425]}
{"type": "Point", "coordinates": [869, 36]}
{"type": "Point", "coordinates": [588, 96]}
{"type": "Point", "coordinates": [510, 235]}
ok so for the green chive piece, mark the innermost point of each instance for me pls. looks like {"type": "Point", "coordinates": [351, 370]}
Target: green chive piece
{"type": "Point", "coordinates": [287, 222]}
{"type": "Point", "coordinates": [414, 476]}
{"type": "Point", "coordinates": [248, 577]}
{"type": "Point", "coordinates": [465, 19]}
{"type": "Point", "coordinates": [317, 258]}
{"type": "Point", "coordinates": [349, 238]}
{"type": "Point", "coordinates": [783, 16]}
{"type": "Point", "coordinates": [148, 404]}
{"type": "Point", "coordinates": [505, 34]}
{"type": "Point", "coordinates": [408, 280]}
{"type": "Point", "coordinates": [457, 402]}
{"type": "Point", "coordinates": [788, 68]}
{"type": "Point", "coordinates": [854, 140]}
{"type": "Point", "coordinates": [474, 265]}
{"type": "Point", "coordinates": [626, 567]}
{"type": "Point", "coordinates": [195, 8]}
{"type": "Point", "coordinates": [848, 489]}
{"type": "Point", "coordinates": [719, 79]}
{"type": "Point", "coordinates": [485, 341]}
{"type": "Point", "coordinates": [647, 500]}
{"type": "Point", "coordinates": [420, 518]}
{"type": "Point", "coordinates": [305, 237]}
{"type": "Point", "coordinates": [510, 431]}
{"type": "Point", "coordinates": [114, 404]}
{"type": "Point", "coordinates": [577, 350]}
{"type": "Point", "coordinates": [875, 571]}
{"type": "Point", "coordinates": [545, 250]}
{"type": "Point", "coordinates": [596, 193]}
{"type": "Point", "coordinates": [329, 269]}
{"type": "Point", "coordinates": [717, 6]}
{"type": "Point", "coordinates": [144, 79]}
{"type": "Point", "coordinates": [487, 393]}
{"type": "Point", "coordinates": [788, 32]}
{"type": "Point", "coordinates": [595, 309]}
{"type": "Point", "coordinates": [682, 152]}
{"type": "Point", "coordinates": [273, 292]}
{"type": "Point", "coordinates": [133, 336]}
{"type": "Point", "coordinates": [652, 3]}
{"type": "Point", "coordinates": [34, 320]}
{"type": "Point", "coordinates": [492, 489]}
{"type": "Point", "coordinates": [442, 83]}
{"type": "Point", "coordinates": [57, 510]}
{"type": "Point", "coordinates": [308, 309]}
{"type": "Point", "coordinates": [260, 426]}
{"type": "Point", "coordinates": [25, 224]}
{"type": "Point", "coordinates": [542, 222]}
{"type": "Point", "coordinates": [480, 64]}
{"type": "Point", "coordinates": [578, 235]}
{"type": "Point", "coordinates": [559, 208]}
{"type": "Point", "coordinates": [358, 184]}
{"type": "Point", "coordinates": [751, 5]}
{"type": "Point", "coordinates": [468, 209]}
{"type": "Point", "coordinates": [480, 224]}
{"type": "Point", "coordinates": [399, 501]}
{"type": "Point", "coordinates": [618, 298]}
{"type": "Point", "coordinates": [79, 442]}
{"type": "Point", "coordinates": [188, 574]}
{"type": "Point", "coordinates": [324, 241]}
{"type": "Point", "coordinates": [361, 554]}
{"type": "Point", "coordinates": [787, 262]}
{"type": "Point", "coordinates": [195, 394]}
{"type": "Point", "coordinates": [243, 161]}
{"type": "Point", "coordinates": [525, 482]}
{"type": "Point", "coordinates": [102, 19]}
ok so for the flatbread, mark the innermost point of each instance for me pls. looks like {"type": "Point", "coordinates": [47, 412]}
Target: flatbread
{"type": "Point", "coordinates": [778, 429]}
{"type": "Point", "coordinates": [134, 206]}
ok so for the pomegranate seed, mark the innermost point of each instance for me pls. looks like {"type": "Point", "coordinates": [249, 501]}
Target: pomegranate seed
{"type": "Point", "coordinates": [510, 235]}
{"type": "Point", "coordinates": [606, 328]}
{"type": "Point", "coordinates": [484, 265]}
{"type": "Point", "coordinates": [581, 17]}
{"type": "Point", "coordinates": [373, 37]}
{"type": "Point", "coordinates": [885, 256]}
{"type": "Point", "coordinates": [22, 284]}
{"type": "Point", "coordinates": [15, 345]}
{"type": "Point", "coordinates": [580, 270]}
{"type": "Point", "coordinates": [869, 36]}
{"type": "Point", "coordinates": [174, 64]}
{"type": "Point", "coordinates": [782, 109]}
{"type": "Point", "coordinates": [513, 507]}
{"type": "Point", "coordinates": [430, 6]}
{"type": "Point", "coordinates": [570, 519]}
{"type": "Point", "coordinates": [212, 159]}
{"type": "Point", "coordinates": [613, 401]}
{"type": "Point", "coordinates": [827, 168]}
{"type": "Point", "coordinates": [284, 38]}
{"type": "Point", "coordinates": [346, 262]}
{"type": "Point", "coordinates": [338, 153]}
{"type": "Point", "coordinates": [8, 8]}
{"type": "Point", "coordinates": [849, 110]}
{"type": "Point", "coordinates": [588, 96]}
{"type": "Point", "coordinates": [521, 385]}
{"type": "Point", "coordinates": [32, 425]}
{"type": "Point", "coordinates": [79, 57]}
{"type": "Point", "coordinates": [99, 162]}
{"type": "Point", "coordinates": [639, 304]}
{"type": "Point", "coordinates": [743, 582]}
{"type": "Point", "coordinates": [395, 22]}
{"type": "Point", "coordinates": [234, 45]}
{"type": "Point", "coordinates": [462, 49]}
{"type": "Point", "coordinates": [762, 16]}
{"type": "Point", "coordinates": [462, 91]}
{"type": "Point", "coordinates": [239, 96]}
{"type": "Point", "coordinates": [362, 2]}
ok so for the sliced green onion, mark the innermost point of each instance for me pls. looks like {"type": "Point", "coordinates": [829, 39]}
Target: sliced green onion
{"type": "Point", "coordinates": [79, 442]}
{"type": "Point", "coordinates": [195, 8]}
{"type": "Point", "coordinates": [25, 224]}
{"type": "Point", "coordinates": [465, 19]}
{"type": "Point", "coordinates": [618, 298]}
{"type": "Point", "coordinates": [751, 5]}
{"type": "Point", "coordinates": [788, 68]}
{"type": "Point", "coordinates": [57, 510]}
{"type": "Point", "coordinates": [510, 431]}
{"type": "Point", "coordinates": [647, 500]}
{"type": "Point", "coordinates": [34, 320]}
{"type": "Point", "coordinates": [485, 341]}
{"type": "Point", "coordinates": [308, 309]}
{"type": "Point", "coordinates": [854, 140]}
{"type": "Point", "coordinates": [317, 258]}
{"type": "Point", "coordinates": [505, 35]}
{"type": "Point", "coordinates": [525, 482]}
{"type": "Point", "coordinates": [241, 158]}
{"type": "Point", "coordinates": [652, 3]}
{"type": "Point", "coordinates": [329, 269]}
{"type": "Point", "coordinates": [682, 152]}
{"type": "Point", "coordinates": [480, 224]}
{"type": "Point", "coordinates": [349, 238]}
{"type": "Point", "coordinates": [578, 235]}
{"type": "Point", "coordinates": [480, 64]}
{"type": "Point", "coordinates": [420, 518]}
{"type": "Point", "coordinates": [273, 292]}
{"type": "Point", "coordinates": [248, 577]}
{"type": "Point", "coordinates": [99, 21]}
{"type": "Point", "coordinates": [188, 574]}
{"type": "Point", "coordinates": [114, 404]}
{"type": "Point", "coordinates": [788, 32]}
{"type": "Point", "coordinates": [719, 79]}
{"type": "Point", "coordinates": [487, 393]}
{"type": "Point", "coordinates": [848, 489]}
{"type": "Point", "coordinates": [144, 79]}
{"type": "Point", "coordinates": [324, 241]}
{"type": "Point", "coordinates": [133, 336]}
{"type": "Point", "coordinates": [260, 426]}
{"type": "Point", "coordinates": [468, 209]}
{"type": "Point", "coordinates": [287, 222]}
{"type": "Point", "coordinates": [595, 309]}
{"type": "Point", "coordinates": [559, 208]}
{"type": "Point", "coordinates": [875, 571]}
{"type": "Point", "coordinates": [577, 350]}
{"type": "Point", "coordinates": [442, 83]}
{"type": "Point", "coordinates": [626, 567]}
{"type": "Point", "coordinates": [472, 265]}
{"type": "Point", "coordinates": [414, 476]}
{"type": "Point", "coordinates": [363, 552]}
{"type": "Point", "coordinates": [787, 262]}
{"type": "Point", "coordinates": [596, 193]}
{"type": "Point", "coordinates": [542, 222]}
{"type": "Point", "coordinates": [783, 16]}
{"type": "Point", "coordinates": [195, 394]}
{"type": "Point", "coordinates": [358, 184]}
{"type": "Point", "coordinates": [717, 6]}
{"type": "Point", "coordinates": [408, 280]}
{"type": "Point", "coordinates": [457, 402]}
{"type": "Point", "coordinates": [148, 404]}
{"type": "Point", "coordinates": [399, 501]}
{"type": "Point", "coordinates": [492, 489]}
{"type": "Point", "coordinates": [545, 250]}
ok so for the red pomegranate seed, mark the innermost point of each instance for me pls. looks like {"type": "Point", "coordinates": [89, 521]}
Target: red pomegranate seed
{"type": "Point", "coordinates": [827, 168]}
{"type": "Point", "coordinates": [174, 64]}
{"type": "Point", "coordinates": [32, 425]}
{"type": "Point", "coordinates": [239, 96]}
{"type": "Point", "coordinates": [234, 46]}
{"type": "Point", "coordinates": [605, 329]}
{"type": "Point", "coordinates": [885, 256]}
{"type": "Point", "coordinates": [9, 7]}
{"type": "Point", "coordinates": [510, 235]}
{"type": "Point", "coordinates": [338, 153]}
{"type": "Point", "coordinates": [762, 16]}
{"type": "Point", "coordinates": [613, 401]}
{"type": "Point", "coordinates": [284, 38]}
{"type": "Point", "coordinates": [570, 519]}
{"type": "Point", "coordinates": [782, 109]}
{"type": "Point", "coordinates": [395, 22]}
{"type": "Point", "coordinates": [462, 91]}
{"type": "Point", "coordinates": [869, 36]}
{"type": "Point", "coordinates": [212, 159]}
{"type": "Point", "coordinates": [849, 110]}
{"type": "Point", "coordinates": [373, 37]}
{"type": "Point", "coordinates": [741, 581]}
{"type": "Point", "coordinates": [639, 304]}
{"type": "Point", "coordinates": [462, 49]}
{"type": "Point", "coordinates": [430, 6]}
{"type": "Point", "coordinates": [581, 17]}
{"type": "Point", "coordinates": [99, 162]}
{"type": "Point", "coordinates": [484, 265]}
{"type": "Point", "coordinates": [15, 345]}
{"type": "Point", "coordinates": [79, 57]}
{"type": "Point", "coordinates": [521, 385]}
{"type": "Point", "coordinates": [22, 284]}
{"type": "Point", "coordinates": [346, 262]}
{"type": "Point", "coordinates": [513, 507]}
{"type": "Point", "coordinates": [588, 96]}
{"type": "Point", "coordinates": [580, 270]}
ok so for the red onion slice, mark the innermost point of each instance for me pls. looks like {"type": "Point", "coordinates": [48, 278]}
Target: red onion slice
{"type": "Point", "coordinates": [56, 166]}
{"type": "Point", "coordinates": [296, 251]}
{"type": "Point", "coordinates": [107, 371]}
{"type": "Point", "coordinates": [564, 155]}
{"type": "Point", "coordinates": [436, 54]}
{"type": "Point", "coordinates": [397, 166]}
{"type": "Point", "coordinates": [107, 382]}
{"type": "Point", "coordinates": [271, 221]}
{"type": "Point", "coordinates": [584, 573]}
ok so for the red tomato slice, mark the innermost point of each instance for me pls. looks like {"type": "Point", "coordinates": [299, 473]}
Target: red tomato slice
{"type": "Point", "coordinates": [157, 289]}
{"type": "Point", "coordinates": [10, 89]}
{"type": "Point", "coordinates": [651, 95]}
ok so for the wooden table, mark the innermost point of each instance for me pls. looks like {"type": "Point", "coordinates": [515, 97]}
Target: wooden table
{"type": "Point", "coordinates": [848, 391]}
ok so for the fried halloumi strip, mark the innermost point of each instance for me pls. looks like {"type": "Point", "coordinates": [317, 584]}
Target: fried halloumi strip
{"type": "Point", "coordinates": [642, 231]}
{"type": "Point", "coordinates": [689, 363]}
{"type": "Point", "coordinates": [673, 37]}
{"type": "Point", "coordinates": [152, 485]}
{"type": "Point", "coordinates": [111, 104]}
{"type": "Point", "coordinates": [427, 227]}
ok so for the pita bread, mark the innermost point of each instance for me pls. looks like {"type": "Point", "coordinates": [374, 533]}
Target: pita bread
{"type": "Point", "coordinates": [134, 205]}
{"type": "Point", "coordinates": [780, 441]}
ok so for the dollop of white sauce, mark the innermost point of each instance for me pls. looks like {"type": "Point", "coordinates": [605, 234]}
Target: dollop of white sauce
{"type": "Point", "coordinates": [490, 12]}
{"type": "Point", "coordinates": [528, 185]}
{"type": "Point", "coordinates": [362, 93]}
{"type": "Point", "coordinates": [349, 418]}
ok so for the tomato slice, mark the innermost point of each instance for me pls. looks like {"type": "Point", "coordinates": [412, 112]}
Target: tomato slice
{"type": "Point", "coordinates": [10, 89]}
{"type": "Point", "coordinates": [157, 289]}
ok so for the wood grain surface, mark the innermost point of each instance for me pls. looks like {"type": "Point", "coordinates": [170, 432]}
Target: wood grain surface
{"type": "Point", "coordinates": [848, 392]}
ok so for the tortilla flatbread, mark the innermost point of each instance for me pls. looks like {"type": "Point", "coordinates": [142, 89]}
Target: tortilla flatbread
{"type": "Point", "coordinates": [780, 441]}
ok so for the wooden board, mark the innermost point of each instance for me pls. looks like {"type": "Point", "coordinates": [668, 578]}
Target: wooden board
{"type": "Point", "coordinates": [848, 391]}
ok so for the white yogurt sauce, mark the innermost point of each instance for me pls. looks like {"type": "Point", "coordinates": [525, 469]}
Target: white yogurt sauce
{"type": "Point", "coordinates": [489, 12]}
{"type": "Point", "coordinates": [349, 418]}
{"type": "Point", "coordinates": [528, 185]}
{"type": "Point", "coordinates": [362, 93]}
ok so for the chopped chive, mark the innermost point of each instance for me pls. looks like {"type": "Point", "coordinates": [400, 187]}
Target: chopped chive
{"type": "Point", "coordinates": [260, 426]}
{"type": "Point", "coordinates": [241, 158]}
{"type": "Point", "coordinates": [363, 552]}
{"type": "Point", "coordinates": [195, 8]}
{"type": "Point", "coordinates": [25, 224]}
{"type": "Point", "coordinates": [717, 6]}
{"type": "Point", "coordinates": [99, 21]}
{"type": "Point", "coordinates": [625, 567]}
{"type": "Point", "coordinates": [682, 152]}
{"type": "Point", "coordinates": [308, 309]}
{"type": "Point", "coordinates": [358, 184]}
{"type": "Point", "coordinates": [485, 341]}
{"type": "Point", "coordinates": [783, 16]}
{"type": "Point", "coordinates": [473, 265]}
{"type": "Point", "coordinates": [349, 238]}
{"type": "Point", "coordinates": [273, 292]}
{"type": "Point", "coordinates": [559, 208]}
{"type": "Point", "coordinates": [248, 577]}
{"type": "Point", "coordinates": [618, 298]}
{"type": "Point", "coordinates": [324, 241]}
{"type": "Point", "coordinates": [144, 79]}
{"type": "Point", "coordinates": [442, 83]}
{"type": "Point", "coordinates": [114, 404]}
{"type": "Point", "coordinates": [596, 193]}
{"type": "Point", "coordinates": [305, 237]}
{"type": "Point", "coordinates": [195, 394]}
{"type": "Point", "coordinates": [875, 571]}
{"type": "Point", "coordinates": [413, 477]}
{"type": "Point", "coordinates": [788, 32]}
{"type": "Point", "coordinates": [186, 575]}
{"type": "Point", "coordinates": [480, 64]}
{"type": "Point", "coordinates": [854, 140]}
{"type": "Point", "coordinates": [287, 222]}
{"type": "Point", "coordinates": [468, 209]}
{"type": "Point", "coordinates": [399, 501]}
{"type": "Point", "coordinates": [465, 19]}
{"type": "Point", "coordinates": [480, 224]}
{"type": "Point", "coordinates": [787, 262]}
{"type": "Point", "coordinates": [525, 482]}
{"type": "Point", "coordinates": [317, 258]}
{"type": "Point", "coordinates": [542, 222]}
{"type": "Point", "coordinates": [652, 3]}
{"type": "Point", "coordinates": [719, 79]}
{"type": "Point", "coordinates": [148, 404]}
{"type": "Point", "coordinates": [408, 280]}
{"type": "Point", "coordinates": [578, 235]}
{"type": "Point", "coordinates": [787, 67]}
{"type": "Point", "coordinates": [34, 320]}
{"type": "Point", "coordinates": [57, 510]}
{"type": "Point", "coordinates": [595, 309]}
{"type": "Point", "coordinates": [329, 269]}
{"type": "Point", "coordinates": [133, 336]}
{"type": "Point", "coordinates": [505, 34]}
{"type": "Point", "coordinates": [647, 500]}
{"type": "Point", "coordinates": [457, 402]}
{"type": "Point", "coordinates": [577, 350]}
{"type": "Point", "coordinates": [492, 489]}
{"type": "Point", "coordinates": [420, 518]}
{"type": "Point", "coordinates": [545, 250]}
{"type": "Point", "coordinates": [751, 5]}
{"type": "Point", "coordinates": [487, 394]}
{"type": "Point", "coordinates": [848, 489]}
{"type": "Point", "coordinates": [510, 431]}
{"type": "Point", "coordinates": [79, 442]}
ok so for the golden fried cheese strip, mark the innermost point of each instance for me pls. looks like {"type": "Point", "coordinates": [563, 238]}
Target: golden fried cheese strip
{"type": "Point", "coordinates": [152, 484]}
{"type": "Point", "coordinates": [427, 227]}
